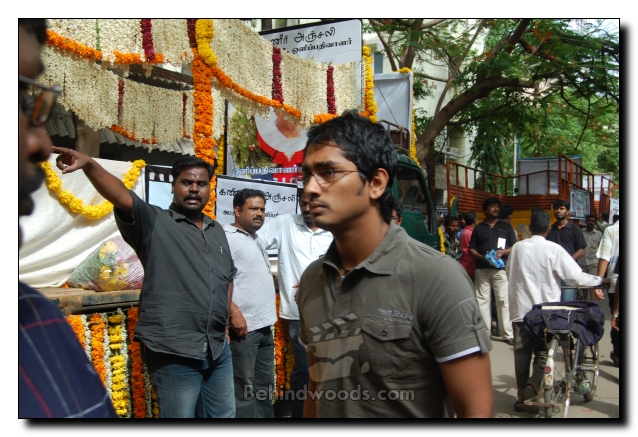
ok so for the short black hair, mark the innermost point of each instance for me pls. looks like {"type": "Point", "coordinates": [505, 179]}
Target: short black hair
{"type": "Point", "coordinates": [449, 219]}
{"type": "Point", "coordinates": [366, 144]}
{"type": "Point", "coordinates": [398, 207]}
{"type": "Point", "coordinates": [491, 201]}
{"type": "Point", "coordinates": [191, 161]}
{"type": "Point", "coordinates": [469, 217]}
{"type": "Point", "coordinates": [587, 217]}
{"type": "Point", "coordinates": [505, 211]}
{"type": "Point", "coordinates": [605, 216]}
{"type": "Point", "coordinates": [539, 221]}
{"type": "Point", "coordinates": [243, 195]}
{"type": "Point", "coordinates": [615, 218]}
{"type": "Point", "coordinates": [560, 202]}
{"type": "Point", "coordinates": [35, 26]}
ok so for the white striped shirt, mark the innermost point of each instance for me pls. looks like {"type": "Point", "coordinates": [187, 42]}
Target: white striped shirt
{"type": "Point", "coordinates": [253, 285]}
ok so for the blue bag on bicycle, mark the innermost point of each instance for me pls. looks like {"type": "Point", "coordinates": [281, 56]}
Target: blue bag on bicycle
{"type": "Point", "coordinates": [585, 319]}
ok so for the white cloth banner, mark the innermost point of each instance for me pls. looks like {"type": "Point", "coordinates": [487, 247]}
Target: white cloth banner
{"type": "Point", "coordinates": [56, 240]}
{"type": "Point", "coordinates": [614, 207]}
{"type": "Point", "coordinates": [579, 203]}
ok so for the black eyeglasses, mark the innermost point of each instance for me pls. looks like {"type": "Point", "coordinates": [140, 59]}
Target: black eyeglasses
{"type": "Point", "coordinates": [322, 177]}
{"type": "Point", "coordinates": [38, 104]}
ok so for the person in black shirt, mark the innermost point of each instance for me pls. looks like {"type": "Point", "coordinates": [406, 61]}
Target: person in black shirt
{"type": "Point", "coordinates": [188, 279]}
{"type": "Point", "coordinates": [567, 235]}
{"type": "Point", "coordinates": [490, 234]}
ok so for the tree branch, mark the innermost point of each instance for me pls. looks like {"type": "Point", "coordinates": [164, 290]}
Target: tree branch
{"type": "Point", "coordinates": [426, 76]}
{"type": "Point", "coordinates": [456, 67]}
{"type": "Point", "coordinates": [388, 50]}
{"type": "Point", "coordinates": [478, 117]}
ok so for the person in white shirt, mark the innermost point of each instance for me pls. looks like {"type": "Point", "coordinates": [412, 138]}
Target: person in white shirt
{"type": "Point", "coordinates": [300, 242]}
{"type": "Point", "coordinates": [607, 255]}
{"type": "Point", "coordinates": [252, 310]}
{"type": "Point", "coordinates": [534, 270]}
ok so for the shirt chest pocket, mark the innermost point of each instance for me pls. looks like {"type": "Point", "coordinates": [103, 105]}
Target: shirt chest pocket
{"type": "Point", "coordinates": [388, 345]}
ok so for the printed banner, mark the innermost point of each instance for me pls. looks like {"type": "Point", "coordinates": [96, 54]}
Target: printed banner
{"type": "Point", "coordinates": [579, 203]}
{"type": "Point", "coordinates": [614, 207]}
{"type": "Point", "coordinates": [280, 198]}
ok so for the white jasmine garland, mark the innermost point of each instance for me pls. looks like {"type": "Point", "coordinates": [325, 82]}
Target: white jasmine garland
{"type": "Point", "coordinates": [189, 120]}
{"type": "Point", "coordinates": [107, 354]}
{"type": "Point", "coordinates": [82, 31]}
{"type": "Point", "coordinates": [219, 112]}
{"type": "Point", "coordinates": [124, 352]}
{"type": "Point", "coordinates": [304, 86]}
{"type": "Point", "coordinates": [170, 37]}
{"type": "Point", "coordinates": [244, 56]}
{"type": "Point", "coordinates": [87, 336]}
{"type": "Point", "coordinates": [124, 36]}
{"type": "Point", "coordinates": [346, 77]}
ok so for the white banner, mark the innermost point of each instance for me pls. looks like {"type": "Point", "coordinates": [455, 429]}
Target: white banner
{"type": "Point", "coordinates": [280, 198]}
{"type": "Point", "coordinates": [393, 96]}
{"type": "Point", "coordinates": [337, 42]}
{"type": "Point", "coordinates": [579, 203]}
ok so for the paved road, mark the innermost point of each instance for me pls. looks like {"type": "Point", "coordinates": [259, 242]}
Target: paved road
{"type": "Point", "coordinates": [604, 405]}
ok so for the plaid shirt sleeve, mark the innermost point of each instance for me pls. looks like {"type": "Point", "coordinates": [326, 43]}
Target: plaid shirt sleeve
{"type": "Point", "coordinates": [55, 377]}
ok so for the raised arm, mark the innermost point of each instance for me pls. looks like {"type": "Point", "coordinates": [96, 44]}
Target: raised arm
{"type": "Point", "coordinates": [110, 187]}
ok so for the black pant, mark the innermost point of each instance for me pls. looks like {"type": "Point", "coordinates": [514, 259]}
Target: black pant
{"type": "Point", "coordinates": [615, 339]}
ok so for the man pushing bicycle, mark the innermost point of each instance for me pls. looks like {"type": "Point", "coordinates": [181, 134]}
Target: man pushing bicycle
{"type": "Point", "coordinates": [534, 270]}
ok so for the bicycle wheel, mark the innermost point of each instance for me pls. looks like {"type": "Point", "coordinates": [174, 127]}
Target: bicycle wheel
{"type": "Point", "coordinates": [558, 367]}
{"type": "Point", "coordinates": [589, 368]}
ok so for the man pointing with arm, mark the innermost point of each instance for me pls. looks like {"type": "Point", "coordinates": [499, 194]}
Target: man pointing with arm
{"type": "Point", "coordinates": [187, 286]}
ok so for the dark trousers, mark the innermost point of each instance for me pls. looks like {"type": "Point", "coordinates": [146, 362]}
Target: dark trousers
{"type": "Point", "coordinates": [615, 339]}
{"type": "Point", "coordinates": [253, 358]}
{"type": "Point", "coordinates": [299, 375]}
{"type": "Point", "coordinates": [524, 346]}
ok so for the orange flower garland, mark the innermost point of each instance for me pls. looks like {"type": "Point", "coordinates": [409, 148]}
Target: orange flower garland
{"type": "Point", "coordinates": [86, 52]}
{"type": "Point", "coordinates": [131, 135]}
{"type": "Point", "coordinates": [280, 343]}
{"type": "Point", "coordinates": [290, 357]}
{"type": "Point", "coordinates": [97, 346]}
{"type": "Point", "coordinates": [138, 388]}
{"type": "Point", "coordinates": [78, 329]}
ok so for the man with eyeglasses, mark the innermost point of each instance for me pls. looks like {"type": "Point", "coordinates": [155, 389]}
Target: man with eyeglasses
{"type": "Point", "coordinates": [299, 242]}
{"type": "Point", "coordinates": [391, 326]}
{"type": "Point", "coordinates": [55, 377]}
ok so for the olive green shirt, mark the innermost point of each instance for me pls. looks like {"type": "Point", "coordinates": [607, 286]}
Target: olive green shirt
{"type": "Point", "coordinates": [378, 333]}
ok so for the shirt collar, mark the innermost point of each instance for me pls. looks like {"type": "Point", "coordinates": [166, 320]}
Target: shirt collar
{"type": "Point", "coordinates": [298, 218]}
{"type": "Point", "coordinates": [385, 257]}
{"type": "Point", "coordinates": [178, 216]}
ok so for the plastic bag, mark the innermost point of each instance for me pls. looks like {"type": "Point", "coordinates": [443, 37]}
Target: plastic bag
{"type": "Point", "coordinates": [112, 266]}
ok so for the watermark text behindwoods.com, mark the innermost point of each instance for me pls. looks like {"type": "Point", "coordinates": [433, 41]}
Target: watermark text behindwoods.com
{"type": "Point", "coordinates": [356, 394]}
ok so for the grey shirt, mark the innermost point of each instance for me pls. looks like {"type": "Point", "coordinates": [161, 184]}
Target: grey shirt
{"type": "Point", "coordinates": [253, 286]}
{"type": "Point", "coordinates": [380, 331]}
{"type": "Point", "coordinates": [184, 299]}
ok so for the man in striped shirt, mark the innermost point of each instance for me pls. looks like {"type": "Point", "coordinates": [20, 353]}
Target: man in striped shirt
{"type": "Point", "coordinates": [253, 308]}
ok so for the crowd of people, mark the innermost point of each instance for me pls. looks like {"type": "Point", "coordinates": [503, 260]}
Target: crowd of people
{"type": "Point", "coordinates": [381, 324]}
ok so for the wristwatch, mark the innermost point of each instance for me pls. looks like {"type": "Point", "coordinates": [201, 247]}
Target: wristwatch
{"type": "Point", "coordinates": [615, 316]}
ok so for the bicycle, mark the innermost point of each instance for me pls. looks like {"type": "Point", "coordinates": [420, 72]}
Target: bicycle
{"type": "Point", "coordinates": [571, 368]}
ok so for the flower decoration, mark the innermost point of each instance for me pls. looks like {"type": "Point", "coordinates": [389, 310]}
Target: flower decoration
{"type": "Point", "coordinates": [93, 212]}
{"type": "Point", "coordinates": [277, 90]}
{"type": "Point", "coordinates": [330, 90]}
{"type": "Point", "coordinates": [204, 34]}
{"type": "Point", "coordinates": [190, 24]}
{"type": "Point", "coordinates": [96, 325]}
{"type": "Point", "coordinates": [147, 38]}
{"type": "Point", "coordinates": [138, 385]}
{"type": "Point", "coordinates": [369, 103]}
{"type": "Point", "coordinates": [78, 329]}
{"type": "Point", "coordinates": [280, 344]}
{"type": "Point", "coordinates": [441, 239]}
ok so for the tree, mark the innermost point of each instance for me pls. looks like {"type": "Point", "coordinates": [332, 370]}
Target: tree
{"type": "Point", "coordinates": [552, 84]}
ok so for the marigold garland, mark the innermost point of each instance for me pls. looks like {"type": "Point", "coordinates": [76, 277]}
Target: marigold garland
{"type": "Point", "coordinates": [91, 54]}
{"type": "Point", "coordinates": [322, 118]}
{"type": "Point", "coordinates": [138, 386]}
{"type": "Point", "coordinates": [204, 34]}
{"type": "Point", "coordinates": [441, 239]}
{"type": "Point", "coordinates": [78, 329]}
{"type": "Point", "coordinates": [289, 357]}
{"type": "Point", "coordinates": [369, 103]}
{"type": "Point", "coordinates": [220, 156]}
{"type": "Point", "coordinates": [96, 324]}
{"type": "Point", "coordinates": [93, 212]}
{"type": "Point", "coordinates": [280, 344]}
{"type": "Point", "coordinates": [119, 380]}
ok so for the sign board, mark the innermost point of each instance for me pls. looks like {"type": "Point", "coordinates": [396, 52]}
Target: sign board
{"type": "Point", "coordinates": [335, 41]}
{"type": "Point", "coordinates": [538, 181]}
{"type": "Point", "coordinates": [273, 149]}
{"type": "Point", "coordinates": [280, 198]}
{"type": "Point", "coordinates": [579, 203]}
{"type": "Point", "coordinates": [614, 207]}
{"type": "Point", "coordinates": [393, 96]}
{"type": "Point", "coordinates": [157, 185]}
